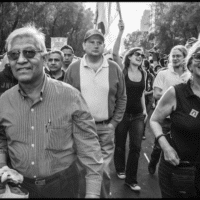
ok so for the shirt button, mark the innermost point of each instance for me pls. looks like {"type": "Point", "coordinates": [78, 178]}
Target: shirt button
{"type": "Point", "coordinates": [41, 98]}
{"type": "Point", "coordinates": [32, 127]}
{"type": "Point", "coordinates": [32, 163]}
{"type": "Point", "coordinates": [32, 109]}
{"type": "Point", "coordinates": [32, 145]}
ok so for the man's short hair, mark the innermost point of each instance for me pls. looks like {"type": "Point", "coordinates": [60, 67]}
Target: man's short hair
{"type": "Point", "coordinates": [28, 30]}
{"type": "Point", "coordinates": [58, 52]}
{"type": "Point", "coordinates": [67, 47]}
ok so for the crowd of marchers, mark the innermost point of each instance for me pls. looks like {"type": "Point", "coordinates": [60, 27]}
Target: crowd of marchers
{"type": "Point", "coordinates": [64, 119]}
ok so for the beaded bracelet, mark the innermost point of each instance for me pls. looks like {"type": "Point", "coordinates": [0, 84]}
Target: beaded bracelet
{"type": "Point", "coordinates": [157, 138]}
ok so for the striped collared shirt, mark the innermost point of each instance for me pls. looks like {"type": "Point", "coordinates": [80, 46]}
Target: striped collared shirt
{"type": "Point", "coordinates": [40, 137]}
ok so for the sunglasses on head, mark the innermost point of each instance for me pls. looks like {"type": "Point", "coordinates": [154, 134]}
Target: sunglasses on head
{"type": "Point", "coordinates": [139, 54]}
{"type": "Point", "coordinates": [196, 57]}
{"type": "Point", "coordinates": [27, 53]}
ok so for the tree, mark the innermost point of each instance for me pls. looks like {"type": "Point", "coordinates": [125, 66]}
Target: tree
{"type": "Point", "coordinates": [137, 39]}
{"type": "Point", "coordinates": [175, 22]}
{"type": "Point", "coordinates": [57, 19]}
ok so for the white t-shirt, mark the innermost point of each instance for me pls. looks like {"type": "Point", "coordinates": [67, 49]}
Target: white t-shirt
{"type": "Point", "coordinates": [169, 77]}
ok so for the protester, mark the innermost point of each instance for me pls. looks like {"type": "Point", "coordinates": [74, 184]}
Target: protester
{"type": "Point", "coordinates": [46, 125]}
{"type": "Point", "coordinates": [116, 47]}
{"type": "Point", "coordinates": [157, 68]}
{"type": "Point", "coordinates": [133, 120]}
{"type": "Point", "coordinates": [176, 73]}
{"type": "Point", "coordinates": [151, 67]}
{"type": "Point", "coordinates": [68, 56]}
{"type": "Point", "coordinates": [155, 52]}
{"type": "Point", "coordinates": [7, 80]}
{"type": "Point", "coordinates": [4, 61]}
{"type": "Point", "coordinates": [55, 63]}
{"type": "Point", "coordinates": [149, 100]}
{"type": "Point", "coordinates": [101, 83]}
{"type": "Point", "coordinates": [181, 102]}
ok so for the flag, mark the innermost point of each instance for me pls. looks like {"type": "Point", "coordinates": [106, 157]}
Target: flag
{"type": "Point", "coordinates": [107, 16]}
{"type": "Point", "coordinates": [58, 42]}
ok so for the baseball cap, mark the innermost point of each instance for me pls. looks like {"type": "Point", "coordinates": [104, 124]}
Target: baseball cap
{"type": "Point", "coordinates": [92, 32]}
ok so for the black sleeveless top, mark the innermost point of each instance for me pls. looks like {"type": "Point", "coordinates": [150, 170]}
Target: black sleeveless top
{"type": "Point", "coordinates": [134, 92]}
{"type": "Point", "coordinates": [185, 127]}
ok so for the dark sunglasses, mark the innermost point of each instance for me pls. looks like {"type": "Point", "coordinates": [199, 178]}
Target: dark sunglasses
{"type": "Point", "coordinates": [28, 54]}
{"type": "Point", "coordinates": [196, 57]}
{"type": "Point", "coordinates": [138, 54]}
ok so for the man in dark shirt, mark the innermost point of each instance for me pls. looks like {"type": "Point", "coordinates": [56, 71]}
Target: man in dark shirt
{"type": "Point", "coordinates": [7, 80]}
{"type": "Point", "coordinates": [46, 126]}
{"type": "Point", "coordinates": [55, 63]}
{"type": "Point", "coordinates": [68, 56]}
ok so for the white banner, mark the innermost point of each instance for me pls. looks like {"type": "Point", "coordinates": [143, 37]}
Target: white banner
{"type": "Point", "coordinates": [58, 42]}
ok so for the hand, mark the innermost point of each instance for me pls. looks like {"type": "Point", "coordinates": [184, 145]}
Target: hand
{"type": "Point", "coordinates": [171, 156]}
{"type": "Point", "coordinates": [111, 126]}
{"type": "Point", "coordinates": [121, 25]}
{"type": "Point", "coordinates": [92, 196]}
{"type": "Point", "coordinates": [146, 116]}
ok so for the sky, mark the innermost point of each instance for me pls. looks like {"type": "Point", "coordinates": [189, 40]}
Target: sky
{"type": "Point", "coordinates": [131, 14]}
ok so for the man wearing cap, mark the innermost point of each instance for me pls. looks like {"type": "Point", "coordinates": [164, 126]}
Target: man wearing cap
{"type": "Point", "coordinates": [102, 85]}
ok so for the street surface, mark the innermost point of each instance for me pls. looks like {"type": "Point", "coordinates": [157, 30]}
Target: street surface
{"type": "Point", "coordinates": [148, 183]}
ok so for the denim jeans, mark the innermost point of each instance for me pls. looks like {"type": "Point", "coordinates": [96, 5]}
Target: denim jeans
{"type": "Point", "coordinates": [134, 125]}
{"type": "Point", "coordinates": [155, 155]}
{"type": "Point", "coordinates": [149, 102]}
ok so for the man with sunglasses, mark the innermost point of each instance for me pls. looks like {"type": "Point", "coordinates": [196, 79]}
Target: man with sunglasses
{"type": "Point", "coordinates": [46, 125]}
{"type": "Point", "coordinates": [55, 63]}
{"type": "Point", "coordinates": [101, 83]}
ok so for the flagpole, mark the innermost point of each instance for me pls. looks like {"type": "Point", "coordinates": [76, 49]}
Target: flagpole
{"type": "Point", "coordinates": [119, 10]}
{"type": "Point", "coordinates": [96, 17]}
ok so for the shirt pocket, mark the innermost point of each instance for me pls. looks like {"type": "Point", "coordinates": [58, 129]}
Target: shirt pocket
{"type": "Point", "coordinates": [58, 137]}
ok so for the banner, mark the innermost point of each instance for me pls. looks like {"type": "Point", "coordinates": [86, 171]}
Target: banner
{"type": "Point", "coordinates": [106, 14]}
{"type": "Point", "coordinates": [58, 42]}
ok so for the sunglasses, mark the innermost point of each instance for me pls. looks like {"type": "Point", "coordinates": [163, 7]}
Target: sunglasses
{"type": "Point", "coordinates": [196, 57]}
{"type": "Point", "coordinates": [138, 54]}
{"type": "Point", "coordinates": [27, 53]}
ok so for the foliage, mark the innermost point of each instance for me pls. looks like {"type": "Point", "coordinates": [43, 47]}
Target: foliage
{"type": "Point", "coordinates": [176, 22]}
{"type": "Point", "coordinates": [57, 19]}
{"type": "Point", "coordinates": [137, 39]}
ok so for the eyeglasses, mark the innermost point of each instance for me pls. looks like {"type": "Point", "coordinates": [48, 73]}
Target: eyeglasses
{"type": "Point", "coordinates": [138, 54]}
{"type": "Point", "coordinates": [27, 53]}
{"type": "Point", "coordinates": [196, 57]}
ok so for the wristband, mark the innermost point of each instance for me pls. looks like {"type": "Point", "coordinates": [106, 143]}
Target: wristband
{"type": "Point", "coordinates": [157, 138]}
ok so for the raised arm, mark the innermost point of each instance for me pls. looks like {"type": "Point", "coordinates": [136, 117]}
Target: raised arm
{"type": "Point", "coordinates": [116, 46]}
